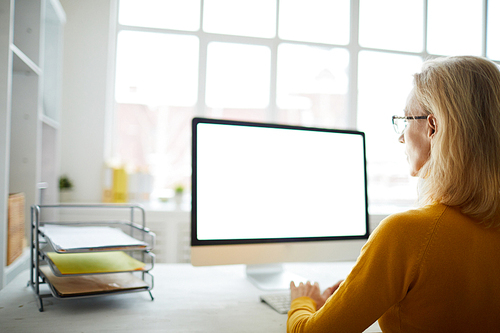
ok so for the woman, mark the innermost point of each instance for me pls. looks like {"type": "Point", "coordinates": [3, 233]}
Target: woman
{"type": "Point", "coordinates": [435, 268]}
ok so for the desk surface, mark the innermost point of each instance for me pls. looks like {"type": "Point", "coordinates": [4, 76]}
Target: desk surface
{"type": "Point", "coordinates": [187, 299]}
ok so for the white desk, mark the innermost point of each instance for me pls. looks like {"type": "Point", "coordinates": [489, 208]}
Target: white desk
{"type": "Point", "coordinates": [187, 299]}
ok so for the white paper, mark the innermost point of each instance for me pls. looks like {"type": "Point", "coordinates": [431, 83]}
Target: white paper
{"type": "Point", "coordinates": [85, 237]}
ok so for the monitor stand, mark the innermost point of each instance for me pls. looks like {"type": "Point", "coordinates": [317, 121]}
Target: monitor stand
{"type": "Point", "coordinates": [272, 277]}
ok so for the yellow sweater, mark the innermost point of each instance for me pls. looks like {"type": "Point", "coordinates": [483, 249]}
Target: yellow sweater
{"type": "Point", "coordinates": [427, 270]}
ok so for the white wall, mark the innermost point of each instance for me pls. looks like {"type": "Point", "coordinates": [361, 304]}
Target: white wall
{"type": "Point", "coordinates": [84, 99]}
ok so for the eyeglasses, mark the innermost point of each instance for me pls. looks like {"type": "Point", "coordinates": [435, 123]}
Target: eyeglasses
{"type": "Point", "coordinates": [400, 122]}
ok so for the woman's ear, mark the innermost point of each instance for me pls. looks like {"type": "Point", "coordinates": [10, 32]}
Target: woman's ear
{"type": "Point", "coordinates": [431, 125]}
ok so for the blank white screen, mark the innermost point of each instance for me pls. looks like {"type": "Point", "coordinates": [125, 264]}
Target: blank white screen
{"type": "Point", "coordinates": [260, 182]}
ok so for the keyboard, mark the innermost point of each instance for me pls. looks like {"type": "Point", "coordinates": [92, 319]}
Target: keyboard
{"type": "Point", "coordinates": [278, 301]}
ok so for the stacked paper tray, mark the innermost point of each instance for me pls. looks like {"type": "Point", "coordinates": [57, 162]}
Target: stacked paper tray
{"type": "Point", "coordinates": [100, 255]}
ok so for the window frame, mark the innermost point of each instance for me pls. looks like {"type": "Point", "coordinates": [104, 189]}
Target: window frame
{"type": "Point", "coordinates": [353, 48]}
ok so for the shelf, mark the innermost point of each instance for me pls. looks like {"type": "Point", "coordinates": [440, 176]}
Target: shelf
{"type": "Point", "coordinates": [31, 45]}
{"type": "Point", "coordinates": [46, 120]}
{"type": "Point", "coordinates": [21, 63]}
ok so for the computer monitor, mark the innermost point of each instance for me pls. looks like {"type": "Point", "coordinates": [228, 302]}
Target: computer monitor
{"type": "Point", "coordinates": [267, 194]}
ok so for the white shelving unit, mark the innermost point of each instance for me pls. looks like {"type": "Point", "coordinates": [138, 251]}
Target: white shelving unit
{"type": "Point", "coordinates": [30, 95]}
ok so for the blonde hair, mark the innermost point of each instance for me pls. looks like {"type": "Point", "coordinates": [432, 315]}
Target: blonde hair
{"type": "Point", "coordinates": [463, 93]}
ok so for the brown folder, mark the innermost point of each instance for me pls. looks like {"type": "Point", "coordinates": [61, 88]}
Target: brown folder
{"type": "Point", "coordinates": [93, 284]}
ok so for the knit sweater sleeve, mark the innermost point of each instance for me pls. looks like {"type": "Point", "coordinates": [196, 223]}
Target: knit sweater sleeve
{"type": "Point", "coordinates": [383, 274]}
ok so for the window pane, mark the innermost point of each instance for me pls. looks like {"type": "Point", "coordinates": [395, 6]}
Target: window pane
{"type": "Point", "coordinates": [166, 14]}
{"type": "Point", "coordinates": [156, 69]}
{"type": "Point", "coordinates": [237, 76]}
{"type": "Point", "coordinates": [156, 92]}
{"type": "Point", "coordinates": [455, 27]}
{"type": "Point", "coordinates": [154, 140]}
{"type": "Point", "coordinates": [392, 24]}
{"type": "Point", "coordinates": [312, 85]}
{"type": "Point", "coordinates": [256, 18]}
{"type": "Point", "coordinates": [322, 21]}
{"type": "Point", "coordinates": [493, 29]}
{"type": "Point", "coordinates": [384, 83]}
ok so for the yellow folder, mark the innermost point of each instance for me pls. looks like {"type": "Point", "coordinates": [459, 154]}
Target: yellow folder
{"type": "Point", "coordinates": [95, 262]}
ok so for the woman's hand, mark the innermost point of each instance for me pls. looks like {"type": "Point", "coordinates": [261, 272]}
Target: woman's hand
{"type": "Point", "coordinates": [312, 291]}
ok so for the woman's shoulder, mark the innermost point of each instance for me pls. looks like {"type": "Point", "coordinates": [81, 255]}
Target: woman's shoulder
{"type": "Point", "coordinates": [428, 212]}
{"type": "Point", "coordinates": [413, 222]}
{"type": "Point", "coordinates": [403, 237]}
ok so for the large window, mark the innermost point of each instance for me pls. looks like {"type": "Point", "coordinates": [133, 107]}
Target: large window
{"type": "Point", "coordinates": [325, 63]}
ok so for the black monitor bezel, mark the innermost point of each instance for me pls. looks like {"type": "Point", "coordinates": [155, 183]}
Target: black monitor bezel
{"type": "Point", "coordinates": [196, 242]}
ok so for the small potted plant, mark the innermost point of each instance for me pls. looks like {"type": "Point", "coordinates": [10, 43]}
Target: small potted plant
{"type": "Point", "coordinates": [179, 193]}
{"type": "Point", "coordinates": [65, 188]}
